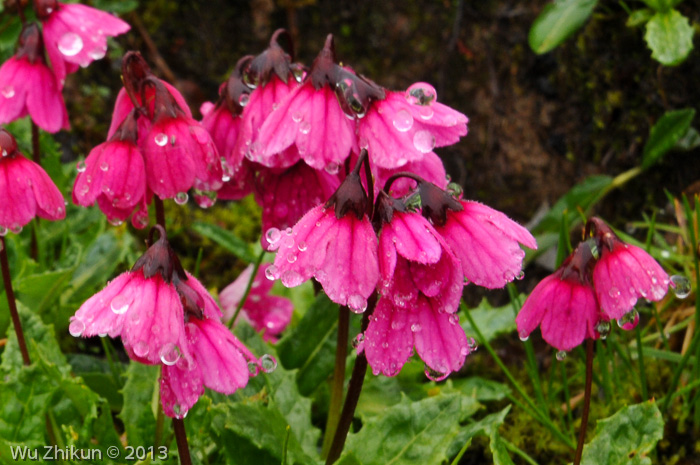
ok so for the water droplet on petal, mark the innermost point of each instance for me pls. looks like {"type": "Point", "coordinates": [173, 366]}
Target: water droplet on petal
{"type": "Point", "coordinates": [115, 221]}
{"type": "Point", "coordinates": [16, 228]}
{"type": "Point", "coordinates": [424, 141]}
{"type": "Point", "coordinates": [359, 342]}
{"type": "Point", "coordinates": [561, 355]}
{"type": "Point", "coordinates": [523, 336]}
{"type": "Point", "coordinates": [119, 304]}
{"type": "Point", "coordinates": [435, 375]}
{"type": "Point", "coordinates": [161, 139]}
{"type": "Point", "coordinates": [268, 363]}
{"type": "Point", "coordinates": [169, 354]}
{"type": "Point", "coordinates": [357, 303]}
{"type": "Point", "coordinates": [453, 319]}
{"type": "Point", "coordinates": [141, 349]}
{"type": "Point", "coordinates": [8, 91]}
{"type": "Point", "coordinates": [332, 168]}
{"type": "Point", "coordinates": [603, 328]}
{"type": "Point", "coordinates": [629, 320]}
{"type": "Point", "coordinates": [403, 121]}
{"type": "Point", "coordinates": [3, 231]}
{"type": "Point", "coordinates": [681, 286]}
{"type": "Point", "coordinates": [81, 166]}
{"type": "Point", "coordinates": [291, 278]}
{"type": "Point", "coordinates": [272, 272]}
{"type": "Point", "coordinates": [253, 369]}
{"type": "Point", "coordinates": [416, 327]}
{"type": "Point", "coordinates": [97, 53]}
{"type": "Point", "coordinates": [304, 127]}
{"type": "Point", "coordinates": [76, 327]}
{"type": "Point", "coordinates": [70, 44]}
{"type": "Point", "coordinates": [104, 166]}
{"type": "Point", "coordinates": [472, 344]}
{"type": "Point", "coordinates": [425, 113]}
{"type": "Point", "coordinates": [243, 100]}
{"type": "Point", "coordinates": [421, 93]}
{"type": "Point", "coordinates": [181, 198]}
{"type": "Point", "coordinates": [273, 235]}
{"type": "Point", "coordinates": [291, 258]}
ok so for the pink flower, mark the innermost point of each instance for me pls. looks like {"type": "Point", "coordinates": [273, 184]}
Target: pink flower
{"type": "Point", "coordinates": [165, 316]}
{"type": "Point", "coordinates": [486, 242]}
{"type": "Point", "coordinates": [430, 168]}
{"type": "Point", "coordinates": [286, 195]}
{"type": "Point", "coordinates": [267, 313]}
{"type": "Point", "coordinates": [75, 34]}
{"type": "Point", "coordinates": [624, 273]}
{"type": "Point", "coordinates": [25, 189]}
{"type": "Point", "coordinates": [599, 282]}
{"type": "Point", "coordinates": [337, 246]}
{"type": "Point", "coordinates": [28, 87]}
{"type": "Point", "coordinates": [114, 175]}
{"type": "Point", "coordinates": [563, 304]}
{"type": "Point", "coordinates": [403, 127]}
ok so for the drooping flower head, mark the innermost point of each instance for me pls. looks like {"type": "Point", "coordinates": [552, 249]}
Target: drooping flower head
{"type": "Point", "coordinates": [164, 316]}
{"type": "Point", "coordinates": [74, 34]}
{"type": "Point", "coordinates": [266, 313]}
{"type": "Point", "coordinates": [29, 87]}
{"type": "Point", "coordinates": [599, 282]}
{"type": "Point", "coordinates": [25, 189]}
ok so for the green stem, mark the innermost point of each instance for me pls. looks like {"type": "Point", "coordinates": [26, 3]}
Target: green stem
{"type": "Point", "coordinates": [540, 416]}
{"type": "Point", "coordinates": [462, 451]}
{"type": "Point", "coordinates": [586, 401]}
{"type": "Point", "coordinates": [336, 402]}
{"type": "Point", "coordinates": [605, 372]}
{"type": "Point", "coordinates": [640, 359]}
{"type": "Point", "coordinates": [112, 366]}
{"type": "Point", "coordinates": [248, 287]}
{"type": "Point", "coordinates": [567, 399]}
{"type": "Point", "coordinates": [160, 426]}
{"type": "Point", "coordinates": [518, 451]}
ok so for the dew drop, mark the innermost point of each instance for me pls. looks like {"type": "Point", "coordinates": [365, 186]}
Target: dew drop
{"type": "Point", "coordinates": [421, 93]}
{"type": "Point", "coordinates": [681, 286]}
{"type": "Point", "coordinates": [273, 235]}
{"type": "Point", "coordinates": [291, 278]}
{"type": "Point", "coordinates": [304, 127]}
{"type": "Point", "coordinates": [271, 272]}
{"type": "Point", "coordinates": [453, 319]}
{"type": "Point", "coordinates": [425, 113]}
{"type": "Point", "coordinates": [97, 53]}
{"type": "Point", "coordinates": [332, 168]}
{"type": "Point", "coordinates": [302, 246]}
{"type": "Point", "coordinates": [297, 117]}
{"type": "Point", "coordinates": [161, 139]}
{"type": "Point", "coordinates": [243, 100]}
{"type": "Point", "coordinates": [472, 344]}
{"type": "Point", "coordinates": [141, 349]}
{"type": "Point", "coordinates": [520, 275]}
{"type": "Point", "coordinates": [253, 369]}
{"type": "Point", "coordinates": [3, 231]}
{"type": "Point", "coordinates": [416, 328]}
{"type": "Point", "coordinates": [359, 342]}
{"type": "Point", "coordinates": [524, 336]}
{"type": "Point", "coordinates": [81, 166]}
{"type": "Point", "coordinates": [403, 121]}
{"type": "Point", "coordinates": [16, 228]}
{"type": "Point", "coordinates": [357, 303]}
{"type": "Point", "coordinates": [291, 258]}
{"type": "Point", "coordinates": [629, 320]}
{"type": "Point", "coordinates": [115, 221]}
{"type": "Point", "coordinates": [8, 91]}
{"type": "Point", "coordinates": [603, 328]}
{"type": "Point", "coordinates": [119, 305]}
{"type": "Point", "coordinates": [561, 355]}
{"type": "Point", "coordinates": [76, 327]}
{"type": "Point", "coordinates": [104, 166]}
{"type": "Point", "coordinates": [434, 375]}
{"type": "Point", "coordinates": [70, 44]}
{"type": "Point", "coordinates": [140, 219]}
{"type": "Point", "coordinates": [268, 363]}
{"type": "Point", "coordinates": [181, 198]}
{"type": "Point", "coordinates": [169, 354]}
{"type": "Point", "coordinates": [424, 141]}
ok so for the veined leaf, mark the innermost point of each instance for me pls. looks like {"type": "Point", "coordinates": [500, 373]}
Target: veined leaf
{"type": "Point", "coordinates": [557, 22]}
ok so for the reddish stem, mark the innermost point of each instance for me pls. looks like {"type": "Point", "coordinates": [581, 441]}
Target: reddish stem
{"type": "Point", "coordinates": [9, 292]}
{"type": "Point", "coordinates": [586, 401]}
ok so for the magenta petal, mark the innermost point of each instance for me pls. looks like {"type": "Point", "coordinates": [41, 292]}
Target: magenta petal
{"type": "Point", "coordinates": [97, 314]}
{"type": "Point", "coordinates": [570, 315]}
{"type": "Point", "coordinates": [623, 275]}
{"type": "Point", "coordinates": [180, 387]}
{"type": "Point", "coordinates": [536, 305]}
{"type": "Point", "coordinates": [388, 339]}
{"type": "Point", "coordinates": [487, 243]}
{"type": "Point", "coordinates": [430, 168]}
{"type": "Point", "coordinates": [209, 307]}
{"type": "Point", "coordinates": [222, 366]}
{"type": "Point", "coordinates": [442, 281]}
{"type": "Point", "coordinates": [223, 128]}
{"type": "Point", "coordinates": [14, 74]}
{"type": "Point", "coordinates": [440, 340]}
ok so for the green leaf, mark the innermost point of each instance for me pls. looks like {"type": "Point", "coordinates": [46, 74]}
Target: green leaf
{"type": "Point", "coordinates": [137, 414]}
{"type": "Point", "coordinates": [42, 290]}
{"type": "Point", "coordinates": [409, 433]}
{"type": "Point", "coordinates": [481, 389]}
{"type": "Point", "coordinates": [689, 141]}
{"type": "Point", "coordinates": [626, 437]}
{"type": "Point", "coordinates": [491, 321]}
{"type": "Point", "coordinates": [664, 135]}
{"type": "Point", "coordinates": [662, 5]}
{"type": "Point", "coordinates": [310, 346]}
{"type": "Point", "coordinates": [117, 6]}
{"type": "Point", "coordinates": [487, 426]}
{"type": "Point", "coordinates": [669, 35]}
{"type": "Point", "coordinates": [557, 22]}
{"type": "Point", "coordinates": [227, 240]}
{"type": "Point", "coordinates": [639, 17]}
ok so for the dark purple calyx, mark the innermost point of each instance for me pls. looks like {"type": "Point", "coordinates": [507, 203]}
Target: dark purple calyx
{"type": "Point", "coordinates": [384, 209]}
{"type": "Point", "coordinates": [164, 104]}
{"type": "Point", "coordinates": [355, 93]}
{"type": "Point", "coordinates": [30, 44]}
{"type": "Point", "coordinates": [234, 90]}
{"type": "Point", "coordinates": [273, 60]}
{"type": "Point", "coordinates": [8, 144]}
{"type": "Point", "coordinates": [579, 265]}
{"type": "Point", "coordinates": [128, 129]}
{"type": "Point", "coordinates": [351, 196]}
{"type": "Point", "coordinates": [135, 70]}
{"type": "Point", "coordinates": [601, 233]}
{"type": "Point", "coordinates": [161, 259]}
{"type": "Point", "coordinates": [44, 8]}
{"type": "Point", "coordinates": [435, 203]}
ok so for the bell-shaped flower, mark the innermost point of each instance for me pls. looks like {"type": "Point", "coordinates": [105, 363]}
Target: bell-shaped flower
{"type": "Point", "coordinates": [25, 189]}
{"type": "Point", "coordinates": [337, 246]}
{"type": "Point", "coordinates": [75, 35]}
{"type": "Point", "coordinates": [114, 176]}
{"type": "Point", "coordinates": [266, 313]}
{"type": "Point", "coordinates": [29, 87]}
{"type": "Point", "coordinates": [165, 316]}
{"type": "Point", "coordinates": [403, 127]}
{"type": "Point", "coordinates": [623, 273]}
{"type": "Point", "coordinates": [287, 195]}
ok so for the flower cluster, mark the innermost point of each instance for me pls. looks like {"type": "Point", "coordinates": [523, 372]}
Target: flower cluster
{"type": "Point", "coordinates": [25, 189]}
{"type": "Point", "coordinates": [154, 146]}
{"type": "Point", "coordinates": [164, 316]}
{"type": "Point", "coordinates": [599, 282]}
{"type": "Point", "coordinates": [72, 35]}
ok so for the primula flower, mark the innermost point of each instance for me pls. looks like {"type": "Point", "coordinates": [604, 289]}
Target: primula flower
{"type": "Point", "coordinates": [74, 34]}
{"type": "Point", "coordinates": [25, 189]}
{"type": "Point", "coordinates": [599, 282]}
{"type": "Point", "coordinates": [29, 87]}
{"type": "Point", "coordinates": [337, 246]}
{"type": "Point", "coordinates": [114, 175]}
{"type": "Point", "coordinates": [165, 316]}
{"type": "Point", "coordinates": [266, 313]}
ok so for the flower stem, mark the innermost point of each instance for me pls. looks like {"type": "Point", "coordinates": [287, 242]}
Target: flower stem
{"type": "Point", "coordinates": [640, 359]}
{"type": "Point", "coordinates": [181, 439]}
{"type": "Point", "coordinates": [36, 151]}
{"type": "Point", "coordinates": [248, 287]}
{"type": "Point", "coordinates": [12, 304]}
{"type": "Point", "coordinates": [586, 401]}
{"type": "Point", "coordinates": [357, 379]}
{"type": "Point", "coordinates": [160, 211]}
{"type": "Point", "coordinates": [336, 402]}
